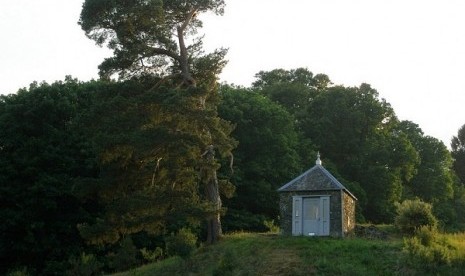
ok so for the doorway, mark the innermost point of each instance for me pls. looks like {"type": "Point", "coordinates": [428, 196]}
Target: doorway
{"type": "Point", "coordinates": [310, 216]}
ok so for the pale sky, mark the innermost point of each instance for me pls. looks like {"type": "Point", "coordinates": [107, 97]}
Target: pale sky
{"type": "Point", "coordinates": [411, 51]}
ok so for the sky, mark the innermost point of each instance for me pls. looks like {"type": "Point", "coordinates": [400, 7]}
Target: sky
{"type": "Point", "coordinates": [411, 51]}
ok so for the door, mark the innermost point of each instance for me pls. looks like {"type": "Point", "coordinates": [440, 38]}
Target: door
{"type": "Point", "coordinates": [310, 216]}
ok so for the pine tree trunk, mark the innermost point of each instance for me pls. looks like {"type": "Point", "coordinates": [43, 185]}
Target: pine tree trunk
{"type": "Point", "coordinates": [214, 230]}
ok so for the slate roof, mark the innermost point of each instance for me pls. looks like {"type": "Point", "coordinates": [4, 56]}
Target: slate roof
{"type": "Point", "coordinates": [315, 179]}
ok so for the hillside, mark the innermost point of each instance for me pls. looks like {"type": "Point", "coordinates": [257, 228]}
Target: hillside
{"type": "Point", "coordinates": [269, 254]}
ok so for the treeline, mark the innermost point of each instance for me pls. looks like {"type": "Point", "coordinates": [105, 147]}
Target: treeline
{"type": "Point", "coordinates": [381, 159]}
{"type": "Point", "coordinates": [97, 176]}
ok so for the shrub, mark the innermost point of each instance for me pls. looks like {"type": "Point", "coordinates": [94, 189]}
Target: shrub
{"type": "Point", "coordinates": [271, 226]}
{"type": "Point", "coordinates": [125, 257]}
{"type": "Point", "coordinates": [22, 271]}
{"type": "Point", "coordinates": [152, 255]}
{"type": "Point", "coordinates": [182, 244]}
{"type": "Point", "coordinates": [85, 264]}
{"type": "Point", "coordinates": [427, 257]}
{"type": "Point", "coordinates": [428, 249]}
{"type": "Point", "coordinates": [427, 235]}
{"type": "Point", "coordinates": [412, 214]}
{"type": "Point", "coordinates": [226, 265]}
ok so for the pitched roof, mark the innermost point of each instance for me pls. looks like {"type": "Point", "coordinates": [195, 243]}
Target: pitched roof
{"type": "Point", "coordinates": [315, 179]}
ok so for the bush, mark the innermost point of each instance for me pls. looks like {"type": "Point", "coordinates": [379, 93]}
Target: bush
{"type": "Point", "coordinates": [413, 214]}
{"type": "Point", "coordinates": [84, 265]}
{"type": "Point", "coordinates": [427, 257]}
{"type": "Point", "coordinates": [22, 271]}
{"type": "Point", "coordinates": [227, 264]}
{"type": "Point", "coordinates": [125, 257]}
{"type": "Point", "coordinates": [182, 244]}
{"type": "Point", "coordinates": [427, 235]}
{"type": "Point", "coordinates": [428, 249]}
{"type": "Point", "coordinates": [152, 255]}
{"type": "Point", "coordinates": [271, 226]}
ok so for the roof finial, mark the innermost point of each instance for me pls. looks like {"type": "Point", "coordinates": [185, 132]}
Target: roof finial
{"type": "Point", "coordinates": [318, 160]}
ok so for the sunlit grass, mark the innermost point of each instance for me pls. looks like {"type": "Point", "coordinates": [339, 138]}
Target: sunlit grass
{"type": "Point", "coordinates": [244, 253]}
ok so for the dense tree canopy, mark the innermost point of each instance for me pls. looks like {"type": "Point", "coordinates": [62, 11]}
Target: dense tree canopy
{"type": "Point", "coordinates": [353, 128]}
{"type": "Point", "coordinates": [41, 157]}
{"type": "Point", "coordinates": [266, 157]}
{"type": "Point", "coordinates": [92, 172]}
{"type": "Point", "coordinates": [458, 153]}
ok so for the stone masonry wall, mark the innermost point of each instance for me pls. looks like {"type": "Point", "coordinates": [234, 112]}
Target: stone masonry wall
{"type": "Point", "coordinates": [349, 212]}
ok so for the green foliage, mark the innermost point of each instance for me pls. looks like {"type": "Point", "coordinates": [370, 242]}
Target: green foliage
{"type": "Point", "coordinates": [227, 265]}
{"type": "Point", "coordinates": [413, 214]}
{"type": "Point", "coordinates": [428, 250]}
{"type": "Point", "coordinates": [434, 181]}
{"type": "Point", "coordinates": [42, 155]}
{"type": "Point", "coordinates": [427, 234]}
{"type": "Point", "coordinates": [355, 130]}
{"type": "Point", "coordinates": [292, 89]}
{"type": "Point", "coordinates": [19, 272]}
{"type": "Point", "coordinates": [267, 156]}
{"type": "Point", "coordinates": [152, 255]}
{"type": "Point", "coordinates": [84, 265]}
{"type": "Point", "coordinates": [181, 244]}
{"type": "Point", "coordinates": [426, 256]}
{"type": "Point", "coordinates": [458, 153]}
{"type": "Point", "coordinates": [125, 256]}
{"type": "Point", "coordinates": [144, 35]}
{"type": "Point", "coordinates": [271, 226]}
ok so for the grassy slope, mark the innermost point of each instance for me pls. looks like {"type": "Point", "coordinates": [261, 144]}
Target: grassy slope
{"type": "Point", "coordinates": [266, 254]}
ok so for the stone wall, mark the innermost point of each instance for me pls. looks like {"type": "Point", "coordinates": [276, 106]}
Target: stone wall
{"type": "Point", "coordinates": [349, 213]}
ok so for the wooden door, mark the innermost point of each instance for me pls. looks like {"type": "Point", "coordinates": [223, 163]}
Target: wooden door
{"type": "Point", "coordinates": [311, 216]}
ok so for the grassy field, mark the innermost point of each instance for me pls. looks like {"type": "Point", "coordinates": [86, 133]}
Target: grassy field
{"type": "Point", "coordinates": [270, 254]}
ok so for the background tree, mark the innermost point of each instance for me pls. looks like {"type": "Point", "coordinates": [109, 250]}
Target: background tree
{"type": "Point", "coordinates": [355, 130]}
{"type": "Point", "coordinates": [434, 179]}
{"type": "Point", "coordinates": [149, 37]}
{"type": "Point", "coordinates": [293, 89]}
{"type": "Point", "coordinates": [41, 157]}
{"type": "Point", "coordinates": [267, 156]}
{"type": "Point", "coordinates": [458, 153]}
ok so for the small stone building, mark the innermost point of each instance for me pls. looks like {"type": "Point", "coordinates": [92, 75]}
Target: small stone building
{"type": "Point", "coordinates": [316, 204]}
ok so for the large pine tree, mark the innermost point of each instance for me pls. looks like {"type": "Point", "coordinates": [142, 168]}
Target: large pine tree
{"type": "Point", "coordinates": [176, 120]}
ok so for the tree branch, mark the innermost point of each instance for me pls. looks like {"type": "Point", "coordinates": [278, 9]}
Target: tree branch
{"type": "Point", "coordinates": [161, 51]}
{"type": "Point", "coordinates": [187, 78]}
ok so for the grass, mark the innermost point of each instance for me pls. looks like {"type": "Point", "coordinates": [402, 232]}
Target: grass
{"type": "Point", "coordinates": [271, 254]}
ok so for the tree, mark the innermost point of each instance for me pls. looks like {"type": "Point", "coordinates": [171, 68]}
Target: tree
{"type": "Point", "coordinates": [300, 76]}
{"type": "Point", "coordinates": [41, 157]}
{"type": "Point", "coordinates": [267, 156]}
{"type": "Point", "coordinates": [356, 131]}
{"type": "Point", "coordinates": [434, 179]}
{"type": "Point", "coordinates": [458, 153]}
{"type": "Point", "coordinates": [149, 38]}
{"type": "Point", "coordinates": [293, 89]}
